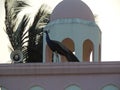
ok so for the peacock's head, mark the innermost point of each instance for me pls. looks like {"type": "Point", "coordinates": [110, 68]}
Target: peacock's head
{"type": "Point", "coordinates": [46, 31]}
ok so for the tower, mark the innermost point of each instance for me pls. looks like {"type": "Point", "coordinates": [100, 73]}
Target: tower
{"type": "Point", "coordinates": [72, 23]}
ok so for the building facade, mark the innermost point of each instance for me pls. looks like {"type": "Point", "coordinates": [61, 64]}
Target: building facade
{"type": "Point", "coordinates": [60, 76]}
{"type": "Point", "coordinates": [72, 23]}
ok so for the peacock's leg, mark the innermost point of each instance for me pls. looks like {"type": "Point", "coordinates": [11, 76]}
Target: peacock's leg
{"type": "Point", "coordinates": [57, 57]}
{"type": "Point", "coordinates": [52, 56]}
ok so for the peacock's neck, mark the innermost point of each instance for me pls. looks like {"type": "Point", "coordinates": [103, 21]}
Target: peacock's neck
{"type": "Point", "coordinates": [47, 37]}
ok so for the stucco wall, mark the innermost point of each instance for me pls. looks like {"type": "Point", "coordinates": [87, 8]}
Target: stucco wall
{"type": "Point", "coordinates": [58, 76]}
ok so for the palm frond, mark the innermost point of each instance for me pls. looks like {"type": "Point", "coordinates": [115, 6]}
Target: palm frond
{"type": "Point", "coordinates": [35, 38]}
{"type": "Point", "coordinates": [14, 33]}
{"type": "Point", "coordinates": [9, 23]}
{"type": "Point", "coordinates": [18, 35]}
{"type": "Point", "coordinates": [19, 32]}
{"type": "Point", "coordinates": [39, 18]}
{"type": "Point", "coordinates": [28, 41]}
{"type": "Point", "coordinates": [19, 5]}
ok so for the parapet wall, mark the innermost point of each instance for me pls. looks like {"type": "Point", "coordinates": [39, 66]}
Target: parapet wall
{"type": "Point", "coordinates": [60, 76]}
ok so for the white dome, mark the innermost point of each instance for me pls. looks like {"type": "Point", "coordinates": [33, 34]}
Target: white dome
{"type": "Point", "coordinates": [72, 9]}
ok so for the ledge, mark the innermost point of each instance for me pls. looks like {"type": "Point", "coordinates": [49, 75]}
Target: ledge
{"type": "Point", "coordinates": [28, 69]}
{"type": "Point", "coordinates": [71, 21]}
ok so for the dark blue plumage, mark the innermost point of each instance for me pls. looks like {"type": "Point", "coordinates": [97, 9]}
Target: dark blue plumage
{"type": "Point", "coordinates": [58, 47]}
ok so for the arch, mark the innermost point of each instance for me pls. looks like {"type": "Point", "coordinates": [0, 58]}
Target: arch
{"type": "Point", "coordinates": [37, 88]}
{"type": "Point", "coordinates": [110, 87]}
{"type": "Point", "coordinates": [69, 43]}
{"type": "Point", "coordinates": [2, 88]}
{"type": "Point", "coordinates": [88, 48]}
{"type": "Point", "coordinates": [73, 87]}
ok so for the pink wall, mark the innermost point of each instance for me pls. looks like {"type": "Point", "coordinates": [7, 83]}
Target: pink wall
{"type": "Point", "coordinates": [57, 76]}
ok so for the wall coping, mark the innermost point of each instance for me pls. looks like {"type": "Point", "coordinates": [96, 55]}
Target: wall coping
{"type": "Point", "coordinates": [68, 68]}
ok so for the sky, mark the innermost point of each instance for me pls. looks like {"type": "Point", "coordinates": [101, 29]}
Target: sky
{"type": "Point", "coordinates": [108, 17]}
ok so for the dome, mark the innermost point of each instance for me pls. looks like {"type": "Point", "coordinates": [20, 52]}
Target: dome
{"type": "Point", "coordinates": [72, 9]}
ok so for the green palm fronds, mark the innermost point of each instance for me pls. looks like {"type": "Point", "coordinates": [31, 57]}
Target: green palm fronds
{"type": "Point", "coordinates": [9, 23]}
{"type": "Point", "coordinates": [18, 34]}
{"type": "Point", "coordinates": [15, 34]}
{"type": "Point", "coordinates": [19, 5]}
{"type": "Point", "coordinates": [35, 38]}
{"type": "Point", "coordinates": [26, 41]}
{"type": "Point", "coordinates": [39, 18]}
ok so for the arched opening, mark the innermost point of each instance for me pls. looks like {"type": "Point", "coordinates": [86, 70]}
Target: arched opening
{"type": "Point", "coordinates": [67, 42]}
{"type": "Point", "coordinates": [110, 87]}
{"type": "Point", "coordinates": [2, 88]}
{"type": "Point", "coordinates": [37, 88]}
{"type": "Point", "coordinates": [91, 56]}
{"type": "Point", "coordinates": [88, 50]}
{"type": "Point", "coordinates": [73, 87]}
{"type": "Point", "coordinates": [70, 45]}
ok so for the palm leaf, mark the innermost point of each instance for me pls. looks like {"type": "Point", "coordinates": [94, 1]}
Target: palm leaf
{"type": "Point", "coordinates": [9, 23]}
{"type": "Point", "coordinates": [19, 32]}
{"type": "Point", "coordinates": [16, 34]}
{"type": "Point", "coordinates": [19, 6]}
{"type": "Point", "coordinates": [34, 43]}
{"type": "Point", "coordinates": [38, 19]}
{"type": "Point", "coordinates": [28, 41]}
